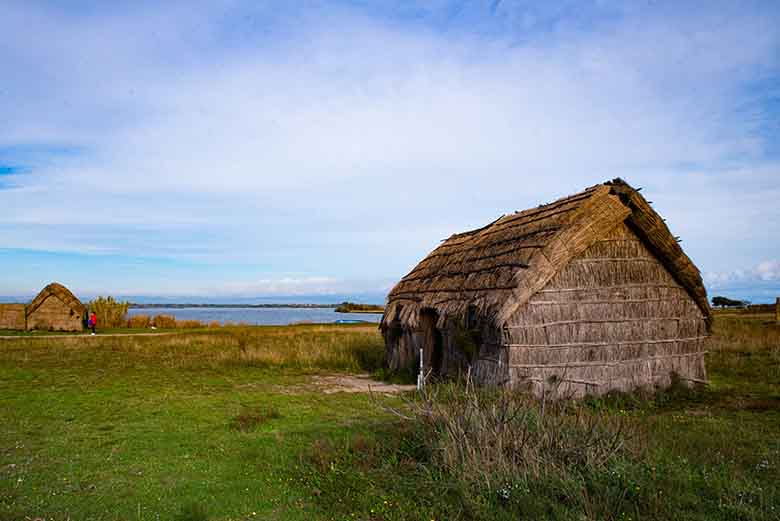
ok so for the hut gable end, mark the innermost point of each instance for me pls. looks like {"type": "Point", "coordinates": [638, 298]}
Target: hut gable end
{"type": "Point", "coordinates": [613, 318]}
{"type": "Point", "coordinates": [55, 308]}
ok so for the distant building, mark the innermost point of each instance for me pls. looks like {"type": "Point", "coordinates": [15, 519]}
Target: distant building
{"type": "Point", "coordinates": [54, 309]}
{"type": "Point", "coordinates": [581, 296]}
{"type": "Point", "coordinates": [13, 316]}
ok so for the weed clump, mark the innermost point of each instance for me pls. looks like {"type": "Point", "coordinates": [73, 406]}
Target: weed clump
{"type": "Point", "coordinates": [251, 418]}
{"type": "Point", "coordinates": [492, 435]}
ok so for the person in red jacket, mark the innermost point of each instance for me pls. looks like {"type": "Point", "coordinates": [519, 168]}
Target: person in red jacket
{"type": "Point", "coordinates": [92, 321]}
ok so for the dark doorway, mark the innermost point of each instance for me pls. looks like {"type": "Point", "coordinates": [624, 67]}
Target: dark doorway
{"type": "Point", "coordinates": [433, 345]}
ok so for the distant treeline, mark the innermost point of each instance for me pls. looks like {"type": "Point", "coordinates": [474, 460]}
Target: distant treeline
{"type": "Point", "coordinates": [744, 305]}
{"type": "Point", "coordinates": [351, 307]}
{"type": "Point", "coordinates": [180, 306]}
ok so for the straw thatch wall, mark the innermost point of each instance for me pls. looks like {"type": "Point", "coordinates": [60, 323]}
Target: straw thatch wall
{"type": "Point", "coordinates": [614, 318]}
{"type": "Point", "coordinates": [12, 316]}
{"type": "Point", "coordinates": [56, 309]}
{"type": "Point", "coordinates": [474, 301]}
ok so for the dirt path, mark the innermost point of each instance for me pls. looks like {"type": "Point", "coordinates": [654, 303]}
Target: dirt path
{"type": "Point", "coordinates": [86, 335]}
{"type": "Point", "coordinates": [359, 383]}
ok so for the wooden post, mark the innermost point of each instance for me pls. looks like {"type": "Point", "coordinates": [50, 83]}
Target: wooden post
{"type": "Point", "coordinates": [421, 376]}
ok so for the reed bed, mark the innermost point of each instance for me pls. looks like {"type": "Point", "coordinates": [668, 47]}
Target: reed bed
{"type": "Point", "coordinates": [109, 312]}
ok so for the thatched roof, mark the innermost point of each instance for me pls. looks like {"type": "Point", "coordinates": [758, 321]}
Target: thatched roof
{"type": "Point", "coordinates": [61, 292]}
{"type": "Point", "coordinates": [499, 267]}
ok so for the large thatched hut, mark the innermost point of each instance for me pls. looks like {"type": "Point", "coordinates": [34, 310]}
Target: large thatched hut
{"type": "Point", "coordinates": [56, 309]}
{"type": "Point", "coordinates": [580, 296]}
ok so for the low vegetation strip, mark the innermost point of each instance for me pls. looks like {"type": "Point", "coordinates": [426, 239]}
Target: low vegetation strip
{"type": "Point", "coordinates": [351, 307]}
{"type": "Point", "coordinates": [231, 424]}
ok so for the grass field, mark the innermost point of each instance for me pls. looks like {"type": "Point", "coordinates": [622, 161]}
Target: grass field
{"type": "Point", "coordinates": [226, 425]}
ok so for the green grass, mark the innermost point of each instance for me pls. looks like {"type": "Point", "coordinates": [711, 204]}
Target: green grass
{"type": "Point", "coordinates": [698, 454]}
{"type": "Point", "coordinates": [136, 427]}
{"type": "Point", "coordinates": [224, 424]}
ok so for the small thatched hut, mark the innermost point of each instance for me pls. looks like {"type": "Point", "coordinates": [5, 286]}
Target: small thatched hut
{"type": "Point", "coordinates": [56, 309]}
{"type": "Point", "coordinates": [581, 296]}
{"type": "Point", "coordinates": [12, 316]}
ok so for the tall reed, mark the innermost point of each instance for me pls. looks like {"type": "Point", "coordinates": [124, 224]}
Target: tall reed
{"type": "Point", "coordinates": [109, 312]}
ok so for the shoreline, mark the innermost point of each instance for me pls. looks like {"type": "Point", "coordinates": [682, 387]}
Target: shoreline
{"type": "Point", "coordinates": [133, 305]}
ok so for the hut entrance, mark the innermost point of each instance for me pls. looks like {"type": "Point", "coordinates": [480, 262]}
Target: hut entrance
{"type": "Point", "coordinates": [433, 348]}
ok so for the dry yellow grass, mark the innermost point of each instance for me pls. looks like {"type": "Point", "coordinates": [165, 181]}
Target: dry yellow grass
{"type": "Point", "coordinates": [308, 347]}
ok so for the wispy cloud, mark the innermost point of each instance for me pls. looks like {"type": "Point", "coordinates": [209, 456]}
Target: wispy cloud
{"type": "Point", "coordinates": [766, 271]}
{"type": "Point", "coordinates": [343, 142]}
{"type": "Point", "coordinates": [756, 283]}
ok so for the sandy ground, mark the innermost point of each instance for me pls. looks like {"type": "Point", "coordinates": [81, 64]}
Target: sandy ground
{"type": "Point", "coordinates": [359, 383]}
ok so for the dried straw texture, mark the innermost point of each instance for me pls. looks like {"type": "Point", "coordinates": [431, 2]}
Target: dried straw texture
{"type": "Point", "coordinates": [12, 316]}
{"type": "Point", "coordinates": [614, 318]}
{"type": "Point", "coordinates": [497, 268]}
{"type": "Point", "coordinates": [604, 245]}
{"type": "Point", "coordinates": [652, 229]}
{"type": "Point", "coordinates": [482, 267]}
{"type": "Point", "coordinates": [57, 309]}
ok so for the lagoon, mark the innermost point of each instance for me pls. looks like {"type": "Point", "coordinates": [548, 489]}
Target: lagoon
{"type": "Point", "coordinates": [265, 316]}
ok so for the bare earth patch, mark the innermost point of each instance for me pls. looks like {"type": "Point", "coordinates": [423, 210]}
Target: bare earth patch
{"type": "Point", "coordinates": [358, 383]}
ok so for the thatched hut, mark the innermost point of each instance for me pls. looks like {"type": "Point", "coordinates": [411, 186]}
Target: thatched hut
{"type": "Point", "coordinates": [584, 295]}
{"type": "Point", "coordinates": [56, 309]}
{"type": "Point", "coordinates": [13, 316]}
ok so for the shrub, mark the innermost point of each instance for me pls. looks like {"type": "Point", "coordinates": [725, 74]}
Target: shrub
{"type": "Point", "coordinates": [351, 307]}
{"type": "Point", "coordinates": [109, 312]}
{"type": "Point", "coordinates": [164, 322]}
{"type": "Point", "coordinates": [189, 324]}
{"type": "Point", "coordinates": [139, 321]}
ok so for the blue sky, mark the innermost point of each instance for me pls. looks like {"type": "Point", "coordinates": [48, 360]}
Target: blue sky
{"type": "Point", "coordinates": [269, 149]}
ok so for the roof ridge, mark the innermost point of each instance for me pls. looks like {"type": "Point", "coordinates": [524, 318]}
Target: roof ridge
{"type": "Point", "coordinates": [58, 290]}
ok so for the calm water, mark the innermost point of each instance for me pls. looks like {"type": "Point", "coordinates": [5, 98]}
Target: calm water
{"type": "Point", "coordinates": [258, 316]}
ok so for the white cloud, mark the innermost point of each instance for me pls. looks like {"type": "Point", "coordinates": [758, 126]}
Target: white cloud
{"type": "Point", "coordinates": [344, 146]}
{"type": "Point", "coordinates": [766, 271]}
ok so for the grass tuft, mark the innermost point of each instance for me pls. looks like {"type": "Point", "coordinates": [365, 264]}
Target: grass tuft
{"type": "Point", "coordinates": [251, 418]}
